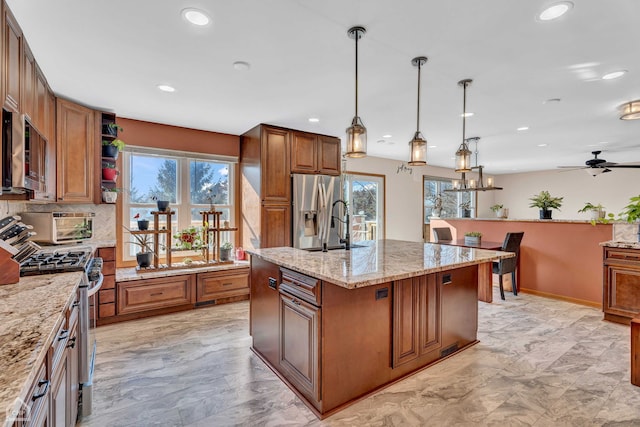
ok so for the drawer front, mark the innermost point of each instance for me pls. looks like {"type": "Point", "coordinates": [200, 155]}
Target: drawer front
{"type": "Point", "coordinates": [106, 310]}
{"type": "Point", "coordinates": [211, 286]}
{"type": "Point", "coordinates": [107, 254]}
{"type": "Point", "coordinates": [304, 287]}
{"type": "Point", "coordinates": [109, 282]}
{"type": "Point", "coordinates": [109, 268]}
{"type": "Point", "coordinates": [59, 344]}
{"type": "Point", "coordinates": [106, 296]}
{"type": "Point", "coordinates": [138, 296]}
{"type": "Point", "coordinates": [622, 256]}
{"type": "Point", "coordinates": [38, 394]}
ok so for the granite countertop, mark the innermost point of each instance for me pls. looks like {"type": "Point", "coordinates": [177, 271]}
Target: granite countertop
{"type": "Point", "coordinates": [130, 273]}
{"type": "Point", "coordinates": [552, 221]}
{"type": "Point", "coordinates": [378, 261]}
{"type": "Point", "coordinates": [621, 244]}
{"type": "Point", "coordinates": [31, 311]}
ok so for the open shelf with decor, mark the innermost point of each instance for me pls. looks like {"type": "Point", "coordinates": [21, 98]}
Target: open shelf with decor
{"type": "Point", "coordinates": [110, 146]}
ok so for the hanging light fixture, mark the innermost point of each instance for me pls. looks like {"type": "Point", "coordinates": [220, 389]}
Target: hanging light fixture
{"type": "Point", "coordinates": [464, 184]}
{"type": "Point", "coordinates": [418, 144]}
{"type": "Point", "coordinates": [356, 133]}
{"type": "Point", "coordinates": [630, 110]}
{"type": "Point", "coordinates": [463, 155]}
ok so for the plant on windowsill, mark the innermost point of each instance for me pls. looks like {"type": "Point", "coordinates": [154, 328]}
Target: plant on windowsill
{"type": "Point", "coordinates": [146, 254]}
{"type": "Point", "coordinates": [225, 251]}
{"type": "Point", "coordinates": [498, 210]}
{"type": "Point", "coordinates": [545, 202]}
{"type": "Point", "coordinates": [112, 148]}
{"type": "Point", "coordinates": [631, 212]}
{"type": "Point", "coordinates": [143, 224]}
{"type": "Point", "coordinates": [189, 238]}
{"type": "Point", "coordinates": [162, 201]}
{"type": "Point", "coordinates": [472, 237]}
{"type": "Point", "coordinates": [466, 209]}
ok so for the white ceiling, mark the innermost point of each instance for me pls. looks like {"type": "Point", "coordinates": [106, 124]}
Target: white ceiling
{"type": "Point", "coordinates": [111, 55]}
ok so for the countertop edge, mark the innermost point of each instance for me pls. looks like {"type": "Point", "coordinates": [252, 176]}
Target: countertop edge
{"type": "Point", "coordinates": [620, 244]}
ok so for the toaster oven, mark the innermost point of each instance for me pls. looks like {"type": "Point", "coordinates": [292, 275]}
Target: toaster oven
{"type": "Point", "coordinates": [60, 227]}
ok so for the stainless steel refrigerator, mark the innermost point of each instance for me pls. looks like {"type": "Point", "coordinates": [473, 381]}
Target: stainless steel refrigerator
{"type": "Point", "coordinates": [313, 206]}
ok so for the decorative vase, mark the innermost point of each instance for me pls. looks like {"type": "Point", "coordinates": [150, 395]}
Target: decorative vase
{"type": "Point", "coordinates": [225, 254]}
{"type": "Point", "coordinates": [109, 174]}
{"type": "Point", "coordinates": [144, 259]}
{"type": "Point", "coordinates": [545, 213]}
{"type": "Point", "coordinates": [472, 240]}
{"type": "Point", "coordinates": [109, 196]}
{"type": "Point", "coordinates": [143, 224]}
{"type": "Point", "coordinates": [500, 213]}
{"type": "Point", "coordinates": [110, 151]}
{"type": "Point", "coordinates": [163, 205]}
{"type": "Point", "coordinates": [109, 130]}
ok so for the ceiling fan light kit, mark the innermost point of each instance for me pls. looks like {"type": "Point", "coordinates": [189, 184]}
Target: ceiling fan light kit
{"type": "Point", "coordinates": [356, 133]}
{"type": "Point", "coordinates": [630, 110]}
{"type": "Point", "coordinates": [418, 144]}
{"type": "Point", "coordinates": [596, 166]}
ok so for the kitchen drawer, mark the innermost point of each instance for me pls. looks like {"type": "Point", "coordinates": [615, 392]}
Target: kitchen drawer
{"type": "Point", "coordinates": [211, 286]}
{"type": "Point", "coordinates": [106, 296]}
{"type": "Point", "coordinates": [107, 254]}
{"type": "Point", "coordinates": [143, 295]}
{"type": "Point", "coordinates": [109, 282]}
{"type": "Point", "coordinates": [106, 310]}
{"type": "Point", "coordinates": [38, 396]}
{"type": "Point", "coordinates": [59, 344]}
{"type": "Point", "coordinates": [622, 256]}
{"type": "Point", "coordinates": [109, 268]}
{"type": "Point", "coordinates": [304, 287]}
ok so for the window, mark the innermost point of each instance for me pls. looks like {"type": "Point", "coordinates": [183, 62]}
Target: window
{"type": "Point", "coordinates": [365, 196]}
{"type": "Point", "coordinates": [191, 183]}
{"type": "Point", "coordinates": [442, 204]}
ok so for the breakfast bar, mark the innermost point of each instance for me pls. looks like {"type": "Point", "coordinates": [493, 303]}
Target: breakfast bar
{"type": "Point", "coordinates": [336, 326]}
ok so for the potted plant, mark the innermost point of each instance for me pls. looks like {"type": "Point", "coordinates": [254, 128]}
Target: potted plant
{"type": "Point", "coordinates": [436, 199]}
{"type": "Point", "coordinates": [597, 211]}
{"type": "Point", "coordinates": [110, 194]}
{"type": "Point", "coordinates": [225, 251]}
{"type": "Point", "coordinates": [466, 209]}
{"type": "Point", "coordinates": [545, 202]}
{"type": "Point", "coordinates": [472, 237]}
{"type": "Point", "coordinates": [111, 129]}
{"type": "Point", "coordinates": [146, 254]}
{"type": "Point", "coordinates": [498, 210]}
{"type": "Point", "coordinates": [189, 238]}
{"type": "Point", "coordinates": [162, 202]}
{"type": "Point", "coordinates": [109, 171]}
{"type": "Point", "coordinates": [631, 212]}
{"type": "Point", "coordinates": [143, 224]}
{"type": "Point", "coordinates": [112, 148]}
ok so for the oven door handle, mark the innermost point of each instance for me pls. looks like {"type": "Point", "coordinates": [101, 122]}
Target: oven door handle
{"type": "Point", "coordinates": [96, 287]}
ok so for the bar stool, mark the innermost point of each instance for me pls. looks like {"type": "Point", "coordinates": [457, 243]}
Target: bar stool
{"type": "Point", "coordinates": [442, 234]}
{"type": "Point", "coordinates": [508, 265]}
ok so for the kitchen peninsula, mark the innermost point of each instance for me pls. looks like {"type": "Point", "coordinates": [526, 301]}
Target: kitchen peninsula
{"type": "Point", "coordinates": [336, 326]}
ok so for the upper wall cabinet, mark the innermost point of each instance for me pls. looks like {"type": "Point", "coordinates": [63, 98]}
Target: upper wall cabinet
{"type": "Point", "coordinates": [12, 61]}
{"type": "Point", "coordinates": [29, 83]}
{"type": "Point", "coordinates": [313, 154]}
{"type": "Point", "coordinates": [75, 152]}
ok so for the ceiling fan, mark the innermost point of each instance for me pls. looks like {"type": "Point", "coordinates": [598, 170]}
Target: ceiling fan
{"type": "Point", "coordinates": [597, 166]}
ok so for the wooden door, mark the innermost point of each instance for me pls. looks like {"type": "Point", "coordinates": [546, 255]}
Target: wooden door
{"type": "Point", "coordinates": [406, 319]}
{"type": "Point", "coordinates": [300, 344]}
{"type": "Point", "coordinates": [75, 152]}
{"type": "Point", "coordinates": [276, 225]}
{"type": "Point", "coordinates": [274, 154]}
{"type": "Point", "coordinates": [12, 67]}
{"type": "Point", "coordinates": [264, 315]}
{"type": "Point", "coordinates": [304, 156]}
{"type": "Point", "coordinates": [430, 337]}
{"type": "Point", "coordinates": [622, 291]}
{"type": "Point", "coordinates": [29, 83]}
{"type": "Point", "coordinates": [329, 155]}
{"type": "Point", "coordinates": [40, 103]}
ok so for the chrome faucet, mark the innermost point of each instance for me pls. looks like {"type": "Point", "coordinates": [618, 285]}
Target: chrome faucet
{"type": "Point", "coordinates": [347, 236]}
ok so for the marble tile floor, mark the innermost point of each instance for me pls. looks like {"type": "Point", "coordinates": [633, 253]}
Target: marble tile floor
{"type": "Point", "coordinates": [540, 362]}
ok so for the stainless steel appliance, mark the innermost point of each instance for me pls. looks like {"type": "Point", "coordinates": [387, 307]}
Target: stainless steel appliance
{"type": "Point", "coordinates": [314, 197]}
{"type": "Point", "coordinates": [76, 259]}
{"type": "Point", "coordinates": [60, 227]}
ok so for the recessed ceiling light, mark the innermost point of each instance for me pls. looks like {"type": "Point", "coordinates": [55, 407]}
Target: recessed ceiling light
{"type": "Point", "coordinates": [433, 146]}
{"type": "Point", "coordinates": [314, 119]}
{"type": "Point", "coordinates": [542, 145]}
{"type": "Point", "coordinates": [523, 128]}
{"type": "Point", "coordinates": [614, 75]}
{"type": "Point", "coordinates": [551, 101]}
{"type": "Point", "coordinates": [381, 141]}
{"type": "Point", "coordinates": [196, 17]}
{"type": "Point", "coordinates": [387, 136]}
{"type": "Point", "coordinates": [466, 114]}
{"type": "Point", "coordinates": [241, 66]}
{"type": "Point", "coordinates": [555, 11]}
{"type": "Point", "coordinates": [166, 88]}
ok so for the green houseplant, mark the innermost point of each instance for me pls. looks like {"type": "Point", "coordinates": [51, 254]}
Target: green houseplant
{"type": "Point", "coordinates": [225, 251]}
{"type": "Point", "coordinates": [545, 202]}
{"type": "Point", "coordinates": [109, 171]}
{"type": "Point", "coordinates": [111, 129]}
{"type": "Point", "coordinates": [597, 212]}
{"type": "Point", "coordinates": [498, 210]}
{"type": "Point", "coordinates": [146, 254]}
{"type": "Point", "coordinates": [112, 148]}
{"type": "Point", "coordinates": [472, 237]}
{"type": "Point", "coordinates": [466, 209]}
{"type": "Point", "coordinates": [631, 212]}
{"type": "Point", "coordinates": [110, 194]}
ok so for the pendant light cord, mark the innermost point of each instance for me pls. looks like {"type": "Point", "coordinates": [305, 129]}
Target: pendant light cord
{"type": "Point", "coordinates": [357, 36]}
{"type": "Point", "coordinates": [418, 116]}
{"type": "Point", "coordinates": [464, 112]}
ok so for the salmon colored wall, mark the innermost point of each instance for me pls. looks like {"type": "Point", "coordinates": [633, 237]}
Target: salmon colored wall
{"type": "Point", "coordinates": [557, 258]}
{"type": "Point", "coordinates": [156, 135]}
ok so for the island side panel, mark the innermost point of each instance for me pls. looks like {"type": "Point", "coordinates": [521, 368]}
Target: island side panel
{"type": "Point", "coordinates": [264, 309]}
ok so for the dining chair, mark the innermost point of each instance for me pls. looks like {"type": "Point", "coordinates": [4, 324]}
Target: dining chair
{"type": "Point", "coordinates": [442, 234]}
{"type": "Point", "coordinates": [508, 265]}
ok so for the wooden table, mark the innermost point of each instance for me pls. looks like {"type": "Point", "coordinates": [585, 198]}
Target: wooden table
{"type": "Point", "coordinates": [485, 271]}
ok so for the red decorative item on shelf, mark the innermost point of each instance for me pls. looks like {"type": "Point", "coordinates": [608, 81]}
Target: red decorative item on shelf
{"type": "Point", "coordinates": [109, 174]}
{"type": "Point", "coordinates": [239, 254]}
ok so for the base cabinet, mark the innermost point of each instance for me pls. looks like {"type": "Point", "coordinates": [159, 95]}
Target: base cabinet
{"type": "Point", "coordinates": [137, 296]}
{"type": "Point", "coordinates": [621, 293]}
{"type": "Point", "coordinates": [59, 395]}
{"type": "Point", "coordinates": [264, 309]}
{"type": "Point", "coordinates": [215, 285]}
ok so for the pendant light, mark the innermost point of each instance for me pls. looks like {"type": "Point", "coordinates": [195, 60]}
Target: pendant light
{"type": "Point", "coordinates": [418, 144]}
{"type": "Point", "coordinates": [630, 110]}
{"type": "Point", "coordinates": [356, 133]}
{"type": "Point", "coordinates": [463, 155]}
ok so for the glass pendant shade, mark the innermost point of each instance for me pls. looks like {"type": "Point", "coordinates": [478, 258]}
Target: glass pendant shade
{"type": "Point", "coordinates": [463, 158]}
{"type": "Point", "coordinates": [630, 111]}
{"type": "Point", "coordinates": [418, 150]}
{"type": "Point", "coordinates": [356, 139]}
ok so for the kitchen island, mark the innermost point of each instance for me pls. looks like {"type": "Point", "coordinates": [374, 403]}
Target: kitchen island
{"type": "Point", "coordinates": [340, 325]}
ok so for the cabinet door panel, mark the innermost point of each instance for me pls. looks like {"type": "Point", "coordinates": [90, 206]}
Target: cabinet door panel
{"type": "Point", "coordinates": [264, 308]}
{"type": "Point", "coordinates": [276, 226]}
{"type": "Point", "coordinates": [329, 155]}
{"type": "Point", "coordinates": [276, 181]}
{"type": "Point", "coordinates": [75, 137]}
{"type": "Point", "coordinates": [300, 344]}
{"type": "Point", "coordinates": [430, 314]}
{"type": "Point", "coordinates": [406, 317]}
{"type": "Point", "coordinates": [29, 83]}
{"type": "Point", "coordinates": [303, 153]}
{"type": "Point", "coordinates": [143, 295]}
{"type": "Point", "coordinates": [622, 296]}
{"type": "Point", "coordinates": [12, 61]}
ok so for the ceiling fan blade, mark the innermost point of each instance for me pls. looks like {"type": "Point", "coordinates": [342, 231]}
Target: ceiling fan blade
{"type": "Point", "coordinates": [615, 165]}
{"type": "Point", "coordinates": [573, 167]}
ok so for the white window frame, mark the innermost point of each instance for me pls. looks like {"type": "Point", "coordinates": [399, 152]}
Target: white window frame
{"type": "Point", "coordinates": [348, 179]}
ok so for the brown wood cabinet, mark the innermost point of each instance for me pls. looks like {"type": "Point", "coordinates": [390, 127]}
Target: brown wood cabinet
{"type": "Point", "coordinates": [621, 293]}
{"type": "Point", "coordinates": [12, 61]}
{"type": "Point", "coordinates": [36, 410]}
{"type": "Point", "coordinates": [152, 294]}
{"type": "Point", "coordinates": [107, 293]}
{"type": "Point", "coordinates": [214, 285]}
{"type": "Point", "coordinates": [416, 318]}
{"type": "Point", "coordinates": [29, 83]}
{"type": "Point", "coordinates": [264, 309]}
{"type": "Point", "coordinates": [75, 152]}
{"type": "Point", "coordinates": [276, 225]}
{"type": "Point", "coordinates": [315, 154]}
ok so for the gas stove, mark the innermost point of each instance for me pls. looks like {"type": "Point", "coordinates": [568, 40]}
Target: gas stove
{"type": "Point", "coordinates": [55, 262]}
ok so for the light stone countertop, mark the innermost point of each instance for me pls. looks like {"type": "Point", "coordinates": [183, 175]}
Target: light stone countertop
{"type": "Point", "coordinates": [551, 221]}
{"type": "Point", "coordinates": [621, 244]}
{"type": "Point", "coordinates": [130, 273]}
{"type": "Point", "coordinates": [378, 262]}
{"type": "Point", "coordinates": [31, 311]}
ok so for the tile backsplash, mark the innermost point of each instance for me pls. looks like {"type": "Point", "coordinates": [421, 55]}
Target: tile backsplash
{"type": "Point", "coordinates": [624, 232]}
